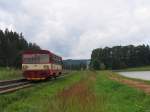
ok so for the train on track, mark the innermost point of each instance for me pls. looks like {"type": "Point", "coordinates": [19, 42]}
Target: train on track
{"type": "Point", "coordinates": [41, 64]}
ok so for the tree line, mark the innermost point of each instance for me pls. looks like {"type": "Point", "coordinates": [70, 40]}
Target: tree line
{"type": "Point", "coordinates": [119, 57]}
{"type": "Point", "coordinates": [74, 64]}
{"type": "Point", "coordinates": [12, 44]}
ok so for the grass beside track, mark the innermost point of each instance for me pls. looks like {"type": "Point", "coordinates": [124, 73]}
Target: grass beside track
{"type": "Point", "coordinates": [6, 74]}
{"type": "Point", "coordinates": [36, 98]}
{"type": "Point", "coordinates": [84, 91]}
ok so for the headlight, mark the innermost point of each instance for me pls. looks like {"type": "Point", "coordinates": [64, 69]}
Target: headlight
{"type": "Point", "coordinates": [24, 67]}
{"type": "Point", "coordinates": [46, 67]}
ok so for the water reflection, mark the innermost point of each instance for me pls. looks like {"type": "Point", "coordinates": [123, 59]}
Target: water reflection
{"type": "Point", "coordinates": [145, 75]}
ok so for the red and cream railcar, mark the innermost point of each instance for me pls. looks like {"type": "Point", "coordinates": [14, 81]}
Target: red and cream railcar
{"type": "Point", "coordinates": [40, 65]}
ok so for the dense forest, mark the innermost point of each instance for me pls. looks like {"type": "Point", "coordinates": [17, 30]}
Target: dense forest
{"type": "Point", "coordinates": [11, 46]}
{"type": "Point", "coordinates": [119, 57]}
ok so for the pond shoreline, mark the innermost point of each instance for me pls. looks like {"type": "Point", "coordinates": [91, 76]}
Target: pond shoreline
{"type": "Point", "coordinates": [143, 75]}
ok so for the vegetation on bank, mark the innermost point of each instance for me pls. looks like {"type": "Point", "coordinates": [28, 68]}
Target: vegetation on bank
{"type": "Point", "coordinates": [78, 92]}
{"type": "Point", "coordinates": [142, 68]}
{"type": "Point", "coordinates": [120, 97]}
{"type": "Point", "coordinates": [119, 57]}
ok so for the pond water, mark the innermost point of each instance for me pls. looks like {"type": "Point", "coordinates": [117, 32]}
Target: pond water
{"type": "Point", "coordinates": [144, 75]}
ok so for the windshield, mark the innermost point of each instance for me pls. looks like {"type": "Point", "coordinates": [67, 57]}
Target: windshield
{"type": "Point", "coordinates": [35, 58]}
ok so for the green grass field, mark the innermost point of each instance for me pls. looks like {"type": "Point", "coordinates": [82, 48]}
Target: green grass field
{"type": "Point", "coordinates": [142, 68]}
{"type": "Point", "coordinates": [85, 91]}
{"type": "Point", "coordinates": [6, 74]}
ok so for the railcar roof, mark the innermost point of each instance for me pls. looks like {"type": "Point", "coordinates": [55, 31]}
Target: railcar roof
{"type": "Point", "coordinates": [36, 51]}
{"type": "Point", "coordinates": [39, 51]}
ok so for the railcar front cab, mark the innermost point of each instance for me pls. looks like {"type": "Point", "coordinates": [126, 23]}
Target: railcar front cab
{"type": "Point", "coordinates": [39, 65]}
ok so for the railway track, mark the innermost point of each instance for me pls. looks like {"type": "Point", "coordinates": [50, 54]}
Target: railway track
{"type": "Point", "coordinates": [13, 85]}
{"type": "Point", "coordinates": [16, 84]}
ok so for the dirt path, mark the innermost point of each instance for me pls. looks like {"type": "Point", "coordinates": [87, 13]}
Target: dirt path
{"type": "Point", "coordinates": [137, 84]}
{"type": "Point", "coordinates": [80, 91]}
{"type": "Point", "coordinates": [78, 96]}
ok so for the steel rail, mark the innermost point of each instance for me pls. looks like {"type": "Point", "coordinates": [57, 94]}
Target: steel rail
{"type": "Point", "coordinates": [12, 85]}
{"type": "Point", "coordinates": [5, 82]}
{"type": "Point", "coordinates": [16, 84]}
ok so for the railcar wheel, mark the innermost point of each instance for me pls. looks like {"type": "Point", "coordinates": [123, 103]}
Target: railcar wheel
{"type": "Point", "coordinates": [54, 76]}
{"type": "Point", "coordinates": [60, 73]}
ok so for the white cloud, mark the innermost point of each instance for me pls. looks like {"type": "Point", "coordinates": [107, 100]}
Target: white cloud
{"type": "Point", "coordinates": [74, 28]}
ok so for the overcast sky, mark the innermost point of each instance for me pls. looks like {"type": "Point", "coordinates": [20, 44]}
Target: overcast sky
{"type": "Point", "coordinates": [73, 28]}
